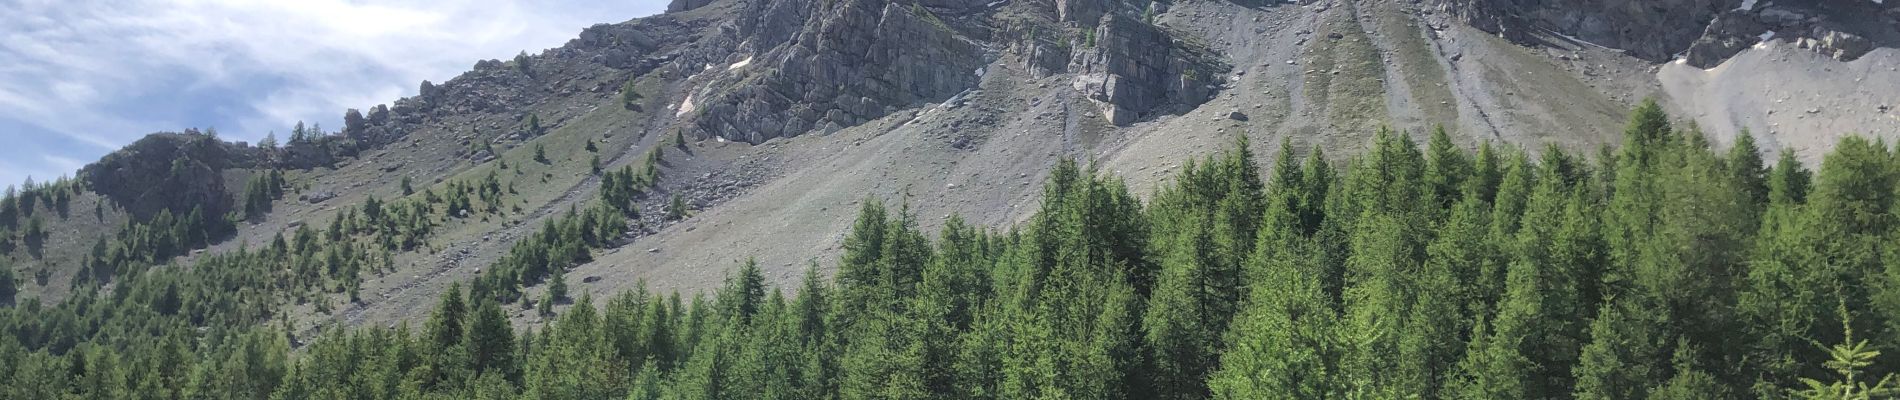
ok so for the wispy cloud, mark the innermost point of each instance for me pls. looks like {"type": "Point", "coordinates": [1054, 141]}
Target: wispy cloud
{"type": "Point", "coordinates": [78, 79]}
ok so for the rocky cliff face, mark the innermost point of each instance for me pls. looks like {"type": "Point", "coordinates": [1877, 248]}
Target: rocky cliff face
{"type": "Point", "coordinates": [1704, 32]}
{"type": "Point", "coordinates": [1843, 30]}
{"type": "Point", "coordinates": [855, 60]}
{"type": "Point", "coordinates": [684, 5]}
{"type": "Point", "coordinates": [1131, 68]}
{"type": "Point", "coordinates": [795, 66]}
{"type": "Point", "coordinates": [1654, 30]}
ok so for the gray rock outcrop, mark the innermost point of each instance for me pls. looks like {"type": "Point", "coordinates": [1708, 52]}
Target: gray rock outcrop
{"type": "Point", "coordinates": [1650, 29]}
{"type": "Point", "coordinates": [683, 5]}
{"type": "Point", "coordinates": [1726, 36]}
{"type": "Point", "coordinates": [1704, 32]}
{"type": "Point", "coordinates": [1132, 68]}
{"type": "Point", "coordinates": [1841, 30]}
{"type": "Point", "coordinates": [859, 60]}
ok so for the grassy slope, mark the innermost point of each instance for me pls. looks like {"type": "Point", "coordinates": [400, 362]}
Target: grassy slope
{"type": "Point", "coordinates": [1344, 74]}
{"type": "Point", "coordinates": [1417, 64]}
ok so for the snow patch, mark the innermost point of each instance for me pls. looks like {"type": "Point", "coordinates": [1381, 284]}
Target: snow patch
{"type": "Point", "coordinates": [1750, 5]}
{"type": "Point", "coordinates": [740, 64]}
{"type": "Point", "coordinates": [1766, 40]}
{"type": "Point", "coordinates": [686, 106]}
{"type": "Point", "coordinates": [1575, 39]}
{"type": "Point", "coordinates": [994, 3]}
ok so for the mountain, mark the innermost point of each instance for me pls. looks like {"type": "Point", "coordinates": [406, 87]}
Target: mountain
{"type": "Point", "coordinates": [772, 121]}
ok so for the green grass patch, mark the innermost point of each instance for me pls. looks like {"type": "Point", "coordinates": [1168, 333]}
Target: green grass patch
{"type": "Point", "coordinates": [1535, 82]}
{"type": "Point", "coordinates": [1418, 66]}
{"type": "Point", "coordinates": [1344, 77]}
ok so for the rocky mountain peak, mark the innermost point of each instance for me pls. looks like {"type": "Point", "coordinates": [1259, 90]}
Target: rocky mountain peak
{"type": "Point", "coordinates": [848, 62]}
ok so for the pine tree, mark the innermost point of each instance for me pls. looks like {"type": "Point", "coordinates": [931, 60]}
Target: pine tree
{"type": "Point", "coordinates": [676, 208]}
{"type": "Point", "coordinates": [489, 342]}
{"type": "Point", "coordinates": [1788, 181]}
{"type": "Point", "coordinates": [1181, 332]}
{"type": "Point", "coordinates": [743, 293]}
{"type": "Point", "coordinates": [630, 95]}
{"type": "Point", "coordinates": [1200, 225]}
{"type": "Point", "coordinates": [1690, 382]}
{"type": "Point", "coordinates": [1446, 169]}
{"type": "Point", "coordinates": [812, 315]}
{"type": "Point", "coordinates": [1744, 163]}
{"type": "Point", "coordinates": [299, 136]}
{"type": "Point", "coordinates": [1625, 356]}
{"type": "Point", "coordinates": [524, 64]}
{"type": "Point", "coordinates": [1852, 227]}
{"type": "Point", "coordinates": [1287, 343]}
{"type": "Point", "coordinates": [1077, 290]}
{"type": "Point", "coordinates": [9, 286]}
{"type": "Point", "coordinates": [557, 285]}
{"type": "Point", "coordinates": [1783, 296]}
{"type": "Point", "coordinates": [258, 195]}
{"type": "Point", "coordinates": [648, 384]}
{"type": "Point", "coordinates": [1849, 359]}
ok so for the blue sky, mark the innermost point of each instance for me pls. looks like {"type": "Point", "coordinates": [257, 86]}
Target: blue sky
{"type": "Point", "coordinates": [79, 79]}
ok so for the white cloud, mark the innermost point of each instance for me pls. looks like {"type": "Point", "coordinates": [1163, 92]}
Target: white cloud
{"type": "Point", "coordinates": [103, 73]}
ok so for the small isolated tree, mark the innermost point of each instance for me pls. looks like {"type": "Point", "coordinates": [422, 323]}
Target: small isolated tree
{"type": "Point", "coordinates": [8, 287]}
{"type": "Point", "coordinates": [298, 134]}
{"type": "Point", "coordinates": [676, 209]}
{"type": "Point", "coordinates": [540, 153]}
{"type": "Point", "coordinates": [1848, 359]}
{"type": "Point", "coordinates": [407, 188]}
{"type": "Point", "coordinates": [593, 164]}
{"type": "Point", "coordinates": [35, 233]}
{"type": "Point", "coordinates": [557, 285]}
{"type": "Point", "coordinates": [630, 95]}
{"type": "Point", "coordinates": [522, 62]}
